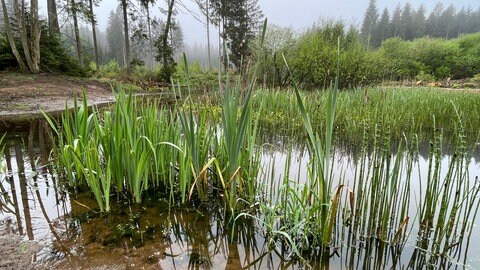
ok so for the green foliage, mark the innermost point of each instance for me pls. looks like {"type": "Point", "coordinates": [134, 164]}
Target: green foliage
{"type": "Point", "coordinates": [278, 41]}
{"type": "Point", "coordinates": [469, 56]}
{"type": "Point", "coordinates": [110, 70]}
{"type": "Point", "coordinates": [424, 77]}
{"type": "Point", "coordinates": [7, 59]}
{"type": "Point", "coordinates": [53, 56]}
{"type": "Point", "coordinates": [369, 107]}
{"type": "Point", "coordinates": [239, 20]}
{"type": "Point", "coordinates": [476, 78]}
{"type": "Point", "coordinates": [315, 61]}
{"type": "Point", "coordinates": [400, 53]}
{"type": "Point", "coordinates": [312, 58]}
{"type": "Point", "coordinates": [439, 58]}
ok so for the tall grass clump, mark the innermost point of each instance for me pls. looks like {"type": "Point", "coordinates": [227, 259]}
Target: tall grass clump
{"type": "Point", "coordinates": [238, 140]}
{"type": "Point", "coordinates": [137, 146]}
{"type": "Point", "coordinates": [316, 193]}
{"type": "Point", "coordinates": [376, 210]}
{"type": "Point", "coordinates": [372, 106]}
{"type": "Point", "coordinates": [307, 211]}
{"type": "Point", "coordinates": [127, 149]}
{"type": "Point", "coordinates": [448, 207]}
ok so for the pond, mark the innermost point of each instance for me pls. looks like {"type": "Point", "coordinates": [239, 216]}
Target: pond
{"type": "Point", "coordinates": [158, 234]}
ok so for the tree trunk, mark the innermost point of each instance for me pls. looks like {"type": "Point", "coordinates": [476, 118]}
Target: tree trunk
{"type": "Point", "coordinates": [168, 24]}
{"type": "Point", "coordinates": [208, 36]}
{"type": "Point", "coordinates": [94, 32]}
{"type": "Point", "coordinates": [53, 27]}
{"type": "Point", "coordinates": [73, 8]}
{"type": "Point", "coordinates": [150, 46]}
{"type": "Point", "coordinates": [11, 41]}
{"type": "Point", "coordinates": [125, 31]}
{"type": "Point", "coordinates": [35, 36]}
{"type": "Point", "coordinates": [19, 14]}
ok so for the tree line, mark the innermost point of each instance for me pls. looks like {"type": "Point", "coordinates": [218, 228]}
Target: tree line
{"type": "Point", "coordinates": [313, 54]}
{"type": "Point", "coordinates": [409, 23]}
{"type": "Point", "coordinates": [133, 36]}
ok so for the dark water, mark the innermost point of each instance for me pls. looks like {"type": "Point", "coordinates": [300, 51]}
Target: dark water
{"type": "Point", "coordinates": [156, 235]}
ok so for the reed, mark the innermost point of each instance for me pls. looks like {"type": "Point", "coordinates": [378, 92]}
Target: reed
{"type": "Point", "coordinates": [134, 147]}
{"type": "Point", "coordinates": [380, 105]}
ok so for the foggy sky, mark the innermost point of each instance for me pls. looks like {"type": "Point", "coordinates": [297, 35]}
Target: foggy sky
{"type": "Point", "coordinates": [299, 14]}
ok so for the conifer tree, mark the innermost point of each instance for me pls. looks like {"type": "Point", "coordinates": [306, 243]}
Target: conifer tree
{"type": "Point", "coordinates": [238, 21]}
{"type": "Point", "coordinates": [406, 24]}
{"type": "Point", "coordinates": [419, 22]}
{"type": "Point", "coordinates": [368, 30]}
{"type": "Point", "coordinates": [384, 29]}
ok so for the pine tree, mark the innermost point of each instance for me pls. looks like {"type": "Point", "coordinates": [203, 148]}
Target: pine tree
{"type": "Point", "coordinates": [115, 37]}
{"type": "Point", "coordinates": [446, 22]}
{"type": "Point", "coordinates": [460, 22]}
{"type": "Point", "coordinates": [384, 29]}
{"type": "Point", "coordinates": [406, 24]}
{"type": "Point", "coordinates": [397, 21]}
{"type": "Point", "coordinates": [164, 45]}
{"type": "Point", "coordinates": [10, 37]}
{"type": "Point", "coordinates": [369, 24]}
{"type": "Point", "coordinates": [419, 22]}
{"type": "Point", "coordinates": [53, 27]}
{"type": "Point", "coordinates": [432, 24]}
{"type": "Point", "coordinates": [238, 21]}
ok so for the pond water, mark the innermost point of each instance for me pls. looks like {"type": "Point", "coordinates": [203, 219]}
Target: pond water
{"type": "Point", "coordinates": [156, 235]}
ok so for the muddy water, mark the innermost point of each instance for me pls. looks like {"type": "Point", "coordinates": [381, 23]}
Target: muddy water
{"type": "Point", "coordinates": [154, 235]}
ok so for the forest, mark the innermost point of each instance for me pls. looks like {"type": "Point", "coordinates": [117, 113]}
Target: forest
{"type": "Point", "coordinates": [401, 44]}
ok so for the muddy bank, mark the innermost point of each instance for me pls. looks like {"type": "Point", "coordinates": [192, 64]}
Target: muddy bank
{"type": "Point", "coordinates": [15, 253]}
{"type": "Point", "coordinates": [23, 97]}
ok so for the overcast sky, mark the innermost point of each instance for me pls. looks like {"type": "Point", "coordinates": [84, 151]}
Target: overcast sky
{"type": "Point", "coordinates": [298, 14]}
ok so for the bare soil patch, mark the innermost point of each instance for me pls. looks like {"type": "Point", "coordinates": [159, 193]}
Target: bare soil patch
{"type": "Point", "coordinates": [16, 253]}
{"type": "Point", "coordinates": [23, 95]}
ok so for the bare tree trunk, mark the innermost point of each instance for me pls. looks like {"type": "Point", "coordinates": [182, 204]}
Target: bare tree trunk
{"type": "Point", "coordinates": [11, 41]}
{"type": "Point", "coordinates": [73, 8]}
{"type": "Point", "coordinates": [53, 27]}
{"type": "Point", "coordinates": [94, 32]}
{"type": "Point", "coordinates": [150, 62]}
{"type": "Point", "coordinates": [208, 35]}
{"type": "Point", "coordinates": [18, 8]}
{"type": "Point", "coordinates": [125, 31]}
{"type": "Point", "coordinates": [35, 36]}
{"type": "Point", "coordinates": [168, 24]}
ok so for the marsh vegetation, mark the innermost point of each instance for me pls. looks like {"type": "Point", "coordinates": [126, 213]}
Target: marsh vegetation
{"type": "Point", "coordinates": [397, 203]}
{"type": "Point", "coordinates": [260, 164]}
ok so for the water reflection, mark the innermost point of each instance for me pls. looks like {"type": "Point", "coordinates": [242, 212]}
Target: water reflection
{"type": "Point", "coordinates": [155, 235]}
{"type": "Point", "coordinates": [30, 195]}
{"type": "Point", "coordinates": [361, 247]}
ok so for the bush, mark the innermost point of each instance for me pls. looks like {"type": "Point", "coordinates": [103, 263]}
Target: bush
{"type": "Point", "coordinates": [425, 77]}
{"type": "Point", "coordinates": [54, 58]}
{"type": "Point", "coordinates": [315, 62]}
{"type": "Point", "coordinates": [7, 59]}
{"type": "Point", "coordinates": [111, 70]}
{"type": "Point", "coordinates": [476, 79]}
